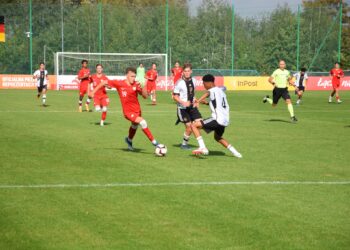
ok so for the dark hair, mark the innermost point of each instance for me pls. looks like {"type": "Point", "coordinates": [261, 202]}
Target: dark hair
{"type": "Point", "coordinates": [208, 78]}
{"type": "Point", "coordinates": [177, 61]}
{"type": "Point", "coordinates": [84, 61]}
{"type": "Point", "coordinates": [303, 69]}
{"type": "Point", "coordinates": [99, 64]}
{"type": "Point", "coordinates": [128, 69]}
{"type": "Point", "coordinates": [154, 63]}
{"type": "Point", "coordinates": [187, 65]}
{"type": "Point", "coordinates": [337, 63]}
{"type": "Point", "coordinates": [41, 63]}
{"type": "Point", "coordinates": [140, 63]}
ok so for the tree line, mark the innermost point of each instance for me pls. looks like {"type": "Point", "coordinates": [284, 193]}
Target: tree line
{"type": "Point", "coordinates": [204, 38]}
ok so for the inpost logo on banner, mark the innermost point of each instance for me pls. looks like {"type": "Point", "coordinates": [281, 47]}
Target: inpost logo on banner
{"type": "Point", "coordinates": [247, 83]}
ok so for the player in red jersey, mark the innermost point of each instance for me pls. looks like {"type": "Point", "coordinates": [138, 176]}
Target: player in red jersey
{"type": "Point", "coordinates": [101, 100]}
{"type": "Point", "coordinates": [176, 72]}
{"type": "Point", "coordinates": [336, 73]}
{"type": "Point", "coordinates": [84, 77]}
{"type": "Point", "coordinates": [128, 91]}
{"type": "Point", "coordinates": [151, 77]}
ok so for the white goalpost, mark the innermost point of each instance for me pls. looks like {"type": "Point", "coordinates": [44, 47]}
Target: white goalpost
{"type": "Point", "coordinates": [67, 65]}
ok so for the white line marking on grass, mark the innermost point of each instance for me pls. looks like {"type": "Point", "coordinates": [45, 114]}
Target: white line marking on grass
{"type": "Point", "coordinates": [165, 111]}
{"type": "Point", "coordinates": [170, 184]}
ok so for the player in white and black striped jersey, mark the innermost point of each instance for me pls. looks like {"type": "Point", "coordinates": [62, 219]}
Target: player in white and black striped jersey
{"type": "Point", "coordinates": [300, 83]}
{"type": "Point", "coordinates": [42, 78]}
{"type": "Point", "coordinates": [184, 95]}
{"type": "Point", "coordinates": [219, 120]}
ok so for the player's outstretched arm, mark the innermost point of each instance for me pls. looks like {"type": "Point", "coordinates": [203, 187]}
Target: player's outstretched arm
{"type": "Point", "coordinates": [103, 83]}
{"type": "Point", "coordinates": [271, 80]}
{"type": "Point", "coordinates": [203, 98]}
{"type": "Point", "coordinates": [144, 92]}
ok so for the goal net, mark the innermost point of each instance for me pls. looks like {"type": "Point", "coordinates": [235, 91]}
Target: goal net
{"type": "Point", "coordinates": [67, 65]}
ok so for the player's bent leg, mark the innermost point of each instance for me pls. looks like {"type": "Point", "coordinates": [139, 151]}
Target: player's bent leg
{"type": "Point", "coordinates": [337, 96]}
{"type": "Point", "coordinates": [142, 122]}
{"type": "Point", "coordinates": [267, 99]}
{"type": "Point", "coordinates": [132, 132]}
{"type": "Point", "coordinates": [44, 97]}
{"type": "Point", "coordinates": [291, 110]}
{"type": "Point", "coordinates": [87, 108]}
{"type": "Point", "coordinates": [196, 125]}
{"type": "Point", "coordinates": [186, 137]}
{"type": "Point", "coordinates": [227, 145]}
{"type": "Point", "coordinates": [104, 115]}
{"type": "Point", "coordinates": [81, 97]}
{"type": "Point", "coordinates": [39, 92]}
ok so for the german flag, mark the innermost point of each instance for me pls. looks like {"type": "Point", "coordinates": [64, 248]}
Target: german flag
{"type": "Point", "coordinates": [2, 29]}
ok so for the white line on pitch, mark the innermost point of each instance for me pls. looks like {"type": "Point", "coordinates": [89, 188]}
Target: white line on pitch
{"type": "Point", "coordinates": [163, 111]}
{"type": "Point", "coordinates": [170, 184]}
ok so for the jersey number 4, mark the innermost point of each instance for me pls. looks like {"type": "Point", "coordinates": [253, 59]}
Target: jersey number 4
{"type": "Point", "coordinates": [223, 103]}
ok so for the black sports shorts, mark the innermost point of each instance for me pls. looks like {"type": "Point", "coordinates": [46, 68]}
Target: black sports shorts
{"type": "Point", "coordinates": [210, 125]}
{"type": "Point", "coordinates": [278, 93]}
{"type": "Point", "coordinates": [41, 87]}
{"type": "Point", "coordinates": [189, 114]}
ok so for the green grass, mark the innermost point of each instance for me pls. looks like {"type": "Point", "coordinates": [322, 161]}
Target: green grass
{"type": "Point", "coordinates": [57, 145]}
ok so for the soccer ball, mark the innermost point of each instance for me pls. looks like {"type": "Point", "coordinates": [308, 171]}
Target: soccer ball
{"type": "Point", "coordinates": [160, 150]}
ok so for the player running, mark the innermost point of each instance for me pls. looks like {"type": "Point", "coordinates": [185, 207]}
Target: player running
{"type": "Point", "coordinates": [336, 73]}
{"type": "Point", "coordinates": [101, 100]}
{"type": "Point", "coordinates": [184, 95]}
{"type": "Point", "coordinates": [280, 79]}
{"type": "Point", "coordinates": [84, 77]}
{"type": "Point", "coordinates": [151, 77]}
{"type": "Point", "coordinates": [128, 91]}
{"type": "Point", "coordinates": [300, 83]}
{"type": "Point", "coordinates": [42, 78]}
{"type": "Point", "coordinates": [176, 72]}
{"type": "Point", "coordinates": [220, 117]}
{"type": "Point", "coordinates": [140, 74]}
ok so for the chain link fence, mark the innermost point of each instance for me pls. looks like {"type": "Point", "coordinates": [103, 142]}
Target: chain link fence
{"type": "Point", "coordinates": [308, 36]}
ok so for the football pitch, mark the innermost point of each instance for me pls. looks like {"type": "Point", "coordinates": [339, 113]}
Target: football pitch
{"type": "Point", "coordinates": [67, 183]}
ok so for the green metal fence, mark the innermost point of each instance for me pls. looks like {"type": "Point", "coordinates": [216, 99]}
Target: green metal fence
{"type": "Point", "coordinates": [216, 36]}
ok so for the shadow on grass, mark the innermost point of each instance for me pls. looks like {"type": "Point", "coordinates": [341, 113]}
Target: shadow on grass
{"type": "Point", "coordinates": [136, 150]}
{"type": "Point", "coordinates": [347, 126]}
{"type": "Point", "coordinates": [192, 147]}
{"type": "Point", "coordinates": [98, 124]}
{"type": "Point", "coordinates": [277, 120]}
{"type": "Point", "coordinates": [211, 154]}
{"type": "Point", "coordinates": [44, 106]}
{"type": "Point", "coordinates": [216, 153]}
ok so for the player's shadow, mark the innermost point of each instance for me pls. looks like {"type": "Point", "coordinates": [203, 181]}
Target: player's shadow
{"type": "Point", "coordinates": [98, 124]}
{"type": "Point", "coordinates": [277, 120]}
{"type": "Point", "coordinates": [216, 153]}
{"type": "Point", "coordinates": [347, 126]}
{"type": "Point", "coordinates": [192, 147]}
{"type": "Point", "coordinates": [136, 150]}
{"type": "Point", "coordinates": [44, 106]}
